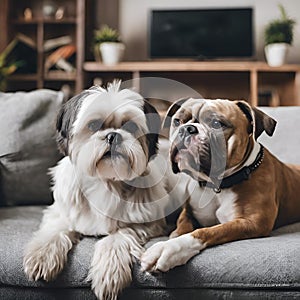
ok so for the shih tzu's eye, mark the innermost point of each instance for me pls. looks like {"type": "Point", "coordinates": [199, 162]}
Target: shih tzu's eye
{"type": "Point", "coordinates": [176, 122]}
{"type": "Point", "coordinates": [95, 125]}
{"type": "Point", "coordinates": [217, 124]}
{"type": "Point", "coordinates": [130, 126]}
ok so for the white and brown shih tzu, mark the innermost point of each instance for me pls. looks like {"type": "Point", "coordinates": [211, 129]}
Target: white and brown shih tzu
{"type": "Point", "coordinates": [108, 184]}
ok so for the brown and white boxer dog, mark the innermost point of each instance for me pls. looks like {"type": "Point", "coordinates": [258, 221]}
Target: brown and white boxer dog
{"type": "Point", "coordinates": [242, 192]}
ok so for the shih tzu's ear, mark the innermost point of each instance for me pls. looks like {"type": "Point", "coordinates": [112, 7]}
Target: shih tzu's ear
{"type": "Point", "coordinates": [61, 134]}
{"type": "Point", "coordinates": [65, 120]}
{"type": "Point", "coordinates": [171, 111]}
{"type": "Point", "coordinates": [259, 121]}
{"type": "Point", "coordinates": [153, 123]}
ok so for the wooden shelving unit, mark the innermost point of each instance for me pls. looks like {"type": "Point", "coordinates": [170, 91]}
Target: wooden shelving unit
{"type": "Point", "coordinates": [212, 79]}
{"type": "Point", "coordinates": [41, 28]}
{"type": "Point", "coordinates": [249, 80]}
{"type": "Point", "coordinates": [60, 75]}
{"type": "Point", "coordinates": [23, 77]}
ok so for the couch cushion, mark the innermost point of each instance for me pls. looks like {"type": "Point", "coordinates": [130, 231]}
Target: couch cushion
{"type": "Point", "coordinates": [28, 147]}
{"type": "Point", "coordinates": [285, 141]}
{"type": "Point", "coordinates": [272, 262]}
{"type": "Point", "coordinates": [16, 227]}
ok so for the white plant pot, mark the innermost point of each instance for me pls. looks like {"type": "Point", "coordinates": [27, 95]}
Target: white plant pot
{"type": "Point", "coordinates": [276, 54]}
{"type": "Point", "coordinates": [112, 53]}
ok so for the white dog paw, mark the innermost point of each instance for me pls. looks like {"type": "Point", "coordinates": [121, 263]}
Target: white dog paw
{"type": "Point", "coordinates": [44, 260]}
{"type": "Point", "coordinates": [103, 292]}
{"type": "Point", "coordinates": [40, 264]}
{"type": "Point", "coordinates": [108, 281]}
{"type": "Point", "coordinates": [164, 256]}
{"type": "Point", "coordinates": [110, 270]}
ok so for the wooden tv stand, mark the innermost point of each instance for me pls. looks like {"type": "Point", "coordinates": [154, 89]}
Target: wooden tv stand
{"type": "Point", "coordinates": [247, 80]}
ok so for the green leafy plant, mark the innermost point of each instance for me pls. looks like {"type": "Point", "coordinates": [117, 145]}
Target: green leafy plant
{"type": "Point", "coordinates": [106, 34]}
{"type": "Point", "coordinates": [7, 65]}
{"type": "Point", "coordinates": [280, 30]}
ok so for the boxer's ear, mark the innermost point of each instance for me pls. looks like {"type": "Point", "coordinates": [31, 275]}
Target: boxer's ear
{"type": "Point", "coordinates": [171, 111]}
{"type": "Point", "coordinates": [259, 120]}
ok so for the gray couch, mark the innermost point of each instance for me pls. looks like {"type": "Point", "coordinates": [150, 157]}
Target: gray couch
{"type": "Point", "coordinates": [262, 268]}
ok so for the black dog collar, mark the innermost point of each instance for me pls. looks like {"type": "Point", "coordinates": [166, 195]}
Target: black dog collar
{"type": "Point", "coordinates": [237, 177]}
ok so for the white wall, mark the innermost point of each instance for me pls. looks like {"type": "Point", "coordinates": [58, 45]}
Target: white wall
{"type": "Point", "coordinates": [134, 17]}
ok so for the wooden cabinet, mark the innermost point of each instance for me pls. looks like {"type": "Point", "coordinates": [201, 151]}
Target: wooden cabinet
{"type": "Point", "coordinates": [42, 21]}
{"type": "Point", "coordinates": [253, 81]}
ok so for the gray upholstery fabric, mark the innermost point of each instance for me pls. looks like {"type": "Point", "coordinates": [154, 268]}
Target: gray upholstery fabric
{"type": "Point", "coordinates": [11, 293]}
{"type": "Point", "coordinates": [207, 294]}
{"type": "Point", "coordinates": [264, 268]}
{"type": "Point", "coordinates": [272, 262]}
{"type": "Point", "coordinates": [285, 141]}
{"type": "Point", "coordinates": [16, 227]}
{"type": "Point", "coordinates": [28, 147]}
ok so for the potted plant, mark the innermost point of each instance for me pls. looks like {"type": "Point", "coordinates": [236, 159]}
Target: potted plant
{"type": "Point", "coordinates": [278, 37]}
{"type": "Point", "coordinates": [108, 41]}
{"type": "Point", "coordinates": [8, 65]}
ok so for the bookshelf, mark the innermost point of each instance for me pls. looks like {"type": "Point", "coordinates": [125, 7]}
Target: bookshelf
{"type": "Point", "coordinates": [249, 80]}
{"type": "Point", "coordinates": [42, 21]}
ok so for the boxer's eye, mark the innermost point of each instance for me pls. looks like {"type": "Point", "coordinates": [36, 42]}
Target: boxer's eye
{"type": "Point", "coordinates": [217, 124]}
{"type": "Point", "coordinates": [176, 122]}
{"type": "Point", "coordinates": [130, 126]}
{"type": "Point", "coordinates": [95, 125]}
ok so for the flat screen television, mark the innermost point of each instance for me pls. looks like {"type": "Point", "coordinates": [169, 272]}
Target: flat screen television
{"type": "Point", "coordinates": [201, 33]}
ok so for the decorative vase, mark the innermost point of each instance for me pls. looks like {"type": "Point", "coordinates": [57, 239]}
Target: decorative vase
{"type": "Point", "coordinates": [276, 54]}
{"type": "Point", "coordinates": [112, 53]}
{"type": "Point", "coordinates": [49, 8]}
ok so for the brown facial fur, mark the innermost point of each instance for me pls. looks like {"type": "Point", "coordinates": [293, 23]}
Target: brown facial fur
{"type": "Point", "coordinates": [269, 199]}
{"type": "Point", "coordinates": [195, 111]}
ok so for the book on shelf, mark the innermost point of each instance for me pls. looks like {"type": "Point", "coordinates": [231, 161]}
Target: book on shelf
{"type": "Point", "coordinates": [57, 42]}
{"type": "Point", "coordinates": [22, 50]}
{"type": "Point", "coordinates": [268, 96]}
{"type": "Point", "coordinates": [61, 59]}
{"type": "Point", "coordinates": [64, 65]}
{"type": "Point", "coordinates": [26, 40]}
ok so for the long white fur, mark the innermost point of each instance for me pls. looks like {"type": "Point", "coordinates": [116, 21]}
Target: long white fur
{"type": "Point", "coordinates": [92, 204]}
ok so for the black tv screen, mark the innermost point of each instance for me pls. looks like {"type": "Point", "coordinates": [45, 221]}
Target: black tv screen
{"type": "Point", "coordinates": [201, 33]}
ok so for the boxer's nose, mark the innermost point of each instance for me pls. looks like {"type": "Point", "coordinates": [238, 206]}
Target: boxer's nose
{"type": "Point", "coordinates": [187, 130]}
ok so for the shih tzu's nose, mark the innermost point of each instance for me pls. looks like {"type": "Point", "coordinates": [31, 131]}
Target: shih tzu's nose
{"type": "Point", "coordinates": [114, 138]}
{"type": "Point", "coordinates": [187, 130]}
